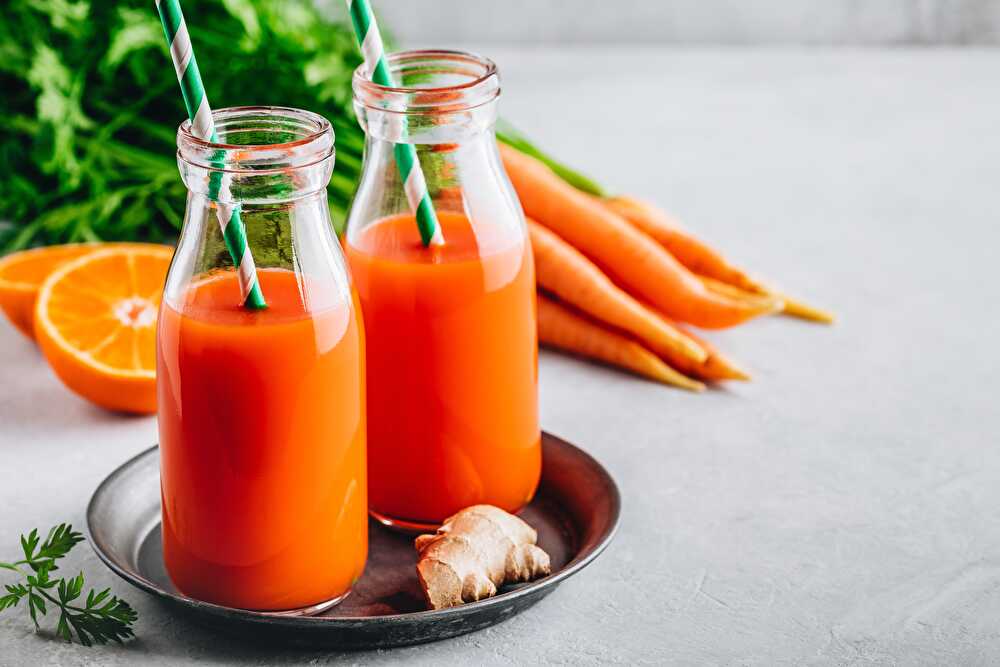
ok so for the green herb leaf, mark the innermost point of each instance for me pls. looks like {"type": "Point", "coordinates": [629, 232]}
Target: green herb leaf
{"type": "Point", "coordinates": [137, 31]}
{"type": "Point", "coordinates": [103, 618]}
{"type": "Point", "coordinates": [29, 543]}
{"type": "Point", "coordinates": [64, 16]}
{"type": "Point", "coordinates": [92, 106]}
{"type": "Point", "coordinates": [245, 12]}
{"type": "Point", "coordinates": [59, 541]}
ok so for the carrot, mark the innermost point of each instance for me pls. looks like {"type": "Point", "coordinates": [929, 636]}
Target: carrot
{"type": "Point", "coordinates": [691, 251]}
{"type": "Point", "coordinates": [771, 302]}
{"type": "Point", "coordinates": [781, 302]}
{"type": "Point", "coordinates": [716, 367]}
{"type": "Point", "coordinates": [701, 258]}
{"type": "Point", "coordinates": [632, 258]}
{"type": "Point", "coordinates": [563, 270]}
{"type": "Point", "coordinates": [562, 328]}
{"type": "Point", "coordinates": [450, 198]}
{"type": "Point", "coordinates": [796, 308]}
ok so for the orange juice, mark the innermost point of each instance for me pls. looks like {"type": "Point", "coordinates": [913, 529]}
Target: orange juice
{"type": "Point", "coordinates": [262, 443]}
{"type": "Point", "coordinates": [452, 367]}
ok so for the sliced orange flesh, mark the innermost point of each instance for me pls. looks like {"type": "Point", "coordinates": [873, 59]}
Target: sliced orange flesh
{"type": "Point", "coordinates": [95, 321]}
{"type": "Point", "coordinates": [22, 273]}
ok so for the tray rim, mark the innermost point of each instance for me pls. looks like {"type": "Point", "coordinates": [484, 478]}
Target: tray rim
{"type": "Point", "coordinates": [550, 582]}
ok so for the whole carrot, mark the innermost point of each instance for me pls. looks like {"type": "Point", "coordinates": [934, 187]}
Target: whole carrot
{"type": "Point", "coordinates": [701, 258]}
{"type": "Point", "coordinates": [716, 367]}
{"type": "Point", "coordinates": [632, 258]}
{"type": "Point", "coordinates": [770, 301]}
{"type": "Point", "coordinates": [788, 305]}
{"type": "Point", "coordinates": [560, 327]}
{"type": "Point", "coordinates": [563, 270]}
{"type": "Point", "coordinates": [691, 251]}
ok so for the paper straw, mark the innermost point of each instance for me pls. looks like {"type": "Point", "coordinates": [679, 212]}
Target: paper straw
{"type": "Point", "coordinates": [366, 30]}
{"type": "Point", "coordinates": [203, 127]}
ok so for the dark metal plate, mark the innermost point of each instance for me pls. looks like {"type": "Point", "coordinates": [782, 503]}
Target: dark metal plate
{"type": "Point", "coordinates": [575, 511]}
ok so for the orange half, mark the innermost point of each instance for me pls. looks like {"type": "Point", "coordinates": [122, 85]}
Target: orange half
{"type": "Point", "coordinates": [95, 321]}
{"type": "Point", "coordinates": [22, 274]}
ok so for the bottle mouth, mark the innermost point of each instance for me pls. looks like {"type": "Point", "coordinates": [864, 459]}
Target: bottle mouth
{"type": "Point", "coordinates": [256, 138]}
{"type": "Point", "coordinates": [430, 81]}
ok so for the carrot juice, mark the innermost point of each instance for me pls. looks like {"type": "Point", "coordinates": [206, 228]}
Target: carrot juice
{"type": "Point", "coordinates": [262, 442]}
{"type": "Point", "coordinates": [452, 367]}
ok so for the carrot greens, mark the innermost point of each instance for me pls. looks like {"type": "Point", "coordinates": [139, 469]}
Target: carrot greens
{"type": "Point", "coordinates": [91, 109]}
{"type": "Point", "coordinates": [99, 618]}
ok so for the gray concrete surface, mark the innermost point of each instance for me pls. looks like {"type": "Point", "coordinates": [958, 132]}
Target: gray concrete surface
{"type": "Point", "coordinates": [436, 22]}
{"type": "Point", "coordinates": [842, 509]}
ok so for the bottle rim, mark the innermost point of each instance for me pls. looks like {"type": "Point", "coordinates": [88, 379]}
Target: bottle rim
{"type": "Point", "coordinates": [312, 139]}
{"type": "Point", "coordinates": [478, 84]}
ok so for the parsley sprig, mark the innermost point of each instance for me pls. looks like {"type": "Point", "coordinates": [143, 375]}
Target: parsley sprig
{"type": "Point", "coordinates": [102, 618]}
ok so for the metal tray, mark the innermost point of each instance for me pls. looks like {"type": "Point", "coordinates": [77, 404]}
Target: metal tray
{"type": "Point", "coordinates": [575, 512]}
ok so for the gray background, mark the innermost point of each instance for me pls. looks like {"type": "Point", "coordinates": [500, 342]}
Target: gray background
{"type": "Point", "coordinates": [842, 509]}
{"type": "Point", "coordinates": [856, 22]}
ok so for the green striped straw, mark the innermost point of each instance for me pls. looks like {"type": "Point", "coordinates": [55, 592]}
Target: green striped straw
{"type": "Point", "coordinates": [203, 127]}
{"type": "Point", "coordinates": [366, 30]}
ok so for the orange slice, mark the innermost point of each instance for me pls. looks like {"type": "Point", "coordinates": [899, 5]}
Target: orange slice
{"type": "Point", "coordinates": [22, 273]}
{"type": "Point", "coordinates": [95, 321]}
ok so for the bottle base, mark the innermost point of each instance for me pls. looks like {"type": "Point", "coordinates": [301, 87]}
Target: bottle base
{"type": "Point", "coordinates": [405, 526]}
{"type": "Point", "coordinates": [311, 610]}
{"type": "Point", "coordinates": [412, 527]}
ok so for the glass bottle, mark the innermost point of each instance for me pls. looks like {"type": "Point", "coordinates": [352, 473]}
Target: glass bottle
{"type": "Point", "coordinates": [451, 333]}
{"type": "Point", "coordinates": [262, 412]}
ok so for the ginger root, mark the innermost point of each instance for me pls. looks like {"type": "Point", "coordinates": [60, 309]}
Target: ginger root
{"type": "Point", "coordinates": [475, 552]}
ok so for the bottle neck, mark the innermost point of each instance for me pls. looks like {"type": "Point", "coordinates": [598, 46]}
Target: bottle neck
{"type": "Point", "coordinates": [439, 128]}
{"type": "Point", "coordinates": [445, 105]}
